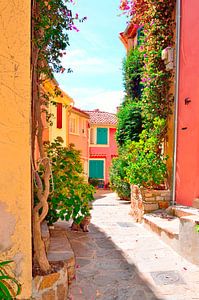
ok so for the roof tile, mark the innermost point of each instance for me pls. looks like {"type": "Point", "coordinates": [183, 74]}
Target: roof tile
{"type": "Point", "coordinates": [102, 117]}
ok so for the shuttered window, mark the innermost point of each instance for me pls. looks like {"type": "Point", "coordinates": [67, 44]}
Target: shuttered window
{"type": "Point", "coordinates": [102, 136]}
{"type": "Point", "coordinates": [59, 115]}
{"type": "Point", "coordinates": [96, 169]}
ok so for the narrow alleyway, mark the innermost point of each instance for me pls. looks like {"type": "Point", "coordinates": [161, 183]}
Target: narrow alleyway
{"type": "Point", "coordinates": [119, 259]}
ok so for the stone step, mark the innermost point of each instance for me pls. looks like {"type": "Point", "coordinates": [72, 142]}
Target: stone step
{"type": "Point", "coordinates": [183, 211]}
{"type": "Point", "coordinates": [60, 249]}
{"type": "Point", "coordinates": [165, 225]}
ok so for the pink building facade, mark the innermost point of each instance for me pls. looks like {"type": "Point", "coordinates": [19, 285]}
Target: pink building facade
{"type": "Point", "coordinates": [102, 145]}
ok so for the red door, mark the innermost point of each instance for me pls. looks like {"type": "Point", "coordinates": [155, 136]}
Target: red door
{"type": "Point", "coordinates": [187, 176]}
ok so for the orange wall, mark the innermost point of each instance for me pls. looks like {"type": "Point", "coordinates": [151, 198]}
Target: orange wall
{"type": "Point", "coordinates": [187, 177]}
{"type": "Point", "coordinates": [15, 152]}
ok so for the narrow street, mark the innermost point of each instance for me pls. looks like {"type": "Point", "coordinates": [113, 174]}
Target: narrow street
{"type": "Point", "coordinates": [120, 259]}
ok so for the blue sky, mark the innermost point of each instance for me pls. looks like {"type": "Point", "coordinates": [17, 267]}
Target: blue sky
{"type": "Point", "coordinates": [95, 55]}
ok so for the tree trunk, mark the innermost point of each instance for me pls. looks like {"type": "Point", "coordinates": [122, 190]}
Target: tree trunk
{"type": "Point", "coordinates": [39, 246]}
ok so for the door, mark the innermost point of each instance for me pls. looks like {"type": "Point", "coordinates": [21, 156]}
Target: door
{"type": "Point", "coordinates": [96, 169]}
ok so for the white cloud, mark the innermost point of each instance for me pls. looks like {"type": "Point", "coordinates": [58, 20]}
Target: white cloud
{"type": "Point", "coordinates": [81, 62]}
{"type": "Point", "coordinates": [105, 100]}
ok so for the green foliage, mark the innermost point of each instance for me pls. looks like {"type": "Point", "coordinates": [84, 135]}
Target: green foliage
{"type": "Point", "coordinates": [52, 20]}
{"type": "Point", "coordinates": [9, 286]}
{"type": "Point", "coordinates": [146, 162]}
{"type": "Point", "coordinates": [132, 73]}
{"type": "Point", "coordinates": [72, 195]}
{"type": "Point", "coordinates": [129, 124]}
{"type": "Point", "coordinates": [147, 165]}
{"type": "Point", "coordinates": [197, 228]}
{"type": "Point", "coordinates": [118, 181]}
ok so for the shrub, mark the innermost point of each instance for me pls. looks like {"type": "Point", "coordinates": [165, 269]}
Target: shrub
{"type": "Point", "coordinates": [129, 123]}
{"type": "Point", "coordinates": [72, 195]}
{"type": "Point", "coordinates": [147, 164]}
{"type": "Point", "coordinates": [118, 180]}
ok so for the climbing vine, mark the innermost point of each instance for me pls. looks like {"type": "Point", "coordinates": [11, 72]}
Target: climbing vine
{"type": "Point", "coordinates": [51, 22]}
{"type": "Point", "coordinates": [156, 17]}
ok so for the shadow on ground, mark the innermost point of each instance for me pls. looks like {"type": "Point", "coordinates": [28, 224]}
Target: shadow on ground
{"type": "Point", "coordinates": [101, 193]}
{"type": "Point", "coordinates": [102, 272]}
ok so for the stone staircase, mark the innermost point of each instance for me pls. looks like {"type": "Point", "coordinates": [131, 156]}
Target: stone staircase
{"type": "Point", "coordinates": [176, 227]}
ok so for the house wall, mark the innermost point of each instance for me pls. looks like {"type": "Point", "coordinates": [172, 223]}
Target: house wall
{"type": "Point", "coordinates": [15, 170]}
{"type": "Point", "coordinates": [187, 177]}
{"type": "Point", "coordinates": [105, 152]}
{"type": "Point", "coordinates": [80, 140]}
{"type": "Point", "coordinates": [54, 132]}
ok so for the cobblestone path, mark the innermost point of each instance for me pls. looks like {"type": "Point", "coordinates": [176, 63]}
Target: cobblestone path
{"type": "Point", "coordinates": [120, 259]}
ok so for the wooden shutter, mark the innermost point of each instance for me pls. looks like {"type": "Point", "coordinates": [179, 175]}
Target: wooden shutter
{"type": "Point", "coordinates": [59, 115]}
{"type": "Point", "coordinates": [102, 136]}
{"type": "Point", "coordinates": [96, 169]}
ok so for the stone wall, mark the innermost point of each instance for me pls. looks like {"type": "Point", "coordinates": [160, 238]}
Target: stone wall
{"type": "Point", "coordinates": [51, 287]}
{"type": "Point", "coordinates": [147, 200]}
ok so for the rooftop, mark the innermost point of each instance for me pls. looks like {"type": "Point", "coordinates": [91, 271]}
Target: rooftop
{"type": "Point", "coordinates": [102, 117]}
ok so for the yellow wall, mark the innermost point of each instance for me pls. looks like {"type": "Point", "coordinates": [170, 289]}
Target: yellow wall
{"type": "Point", "coordinates": [15, 175]}
{"type": "Point", "coordinates": [67, 102]}
{"type": "Point", "coordinates": [54, 132]}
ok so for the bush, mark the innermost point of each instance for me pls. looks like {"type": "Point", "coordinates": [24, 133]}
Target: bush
{"type": "Point", "coordinates": [72, 195]}
{"type": "Point", "coordinates": [147, 165]}
{"type": "Point", "coordinates": [129, 123]}
{"type": "Point", "coordinates": [118, 181]}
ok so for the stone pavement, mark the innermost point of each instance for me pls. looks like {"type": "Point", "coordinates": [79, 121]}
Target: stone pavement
{"type": "Point", "coordinates": [120, 259]}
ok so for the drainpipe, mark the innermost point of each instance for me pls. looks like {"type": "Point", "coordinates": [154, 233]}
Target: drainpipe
{"type": "Point", "coordinates": [178, 31]}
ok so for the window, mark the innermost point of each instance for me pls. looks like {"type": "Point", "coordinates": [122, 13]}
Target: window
{"type": "Point", "coordinates": [74, 124]}
{"type": "Point", "coordinates": [96, 169]}
{"type": "Point", "coordinates": [92, 135]}
{"type": "Point", "coordinates": [102, 136]}
{"type": "Point", "coordinates": [83, 128]}
{"type": "Point", "coordinates": [59, 115]}
{"type": "Point", "coordinates": [99, 136]}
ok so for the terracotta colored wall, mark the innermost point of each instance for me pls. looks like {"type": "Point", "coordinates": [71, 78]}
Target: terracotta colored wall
{"type": "Point", "coordinates": [106, 152]}
{"type": "Point", "coordinates": [187, 179]}
{"type": "Point", "coordinates": [15, 175]}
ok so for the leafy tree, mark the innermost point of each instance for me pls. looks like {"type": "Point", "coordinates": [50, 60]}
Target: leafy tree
{"type": "Point", "coordinates": [129, 124]}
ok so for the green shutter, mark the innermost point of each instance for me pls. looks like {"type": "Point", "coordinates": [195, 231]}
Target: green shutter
{"type": "Point", "coordinates": [102, 136]}
{"type": "Point", "coordinates": [96, 169]}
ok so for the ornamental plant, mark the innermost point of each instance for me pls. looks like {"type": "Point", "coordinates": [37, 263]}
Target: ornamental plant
{"type": "Point", "coordinates": [72, 196]}
{"type": "Point", "coordinates": [9, 286]}
{"type": "Point", "coordinates": [118, 175]}
{"type": "Point", "coordinates": [146, 162]}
